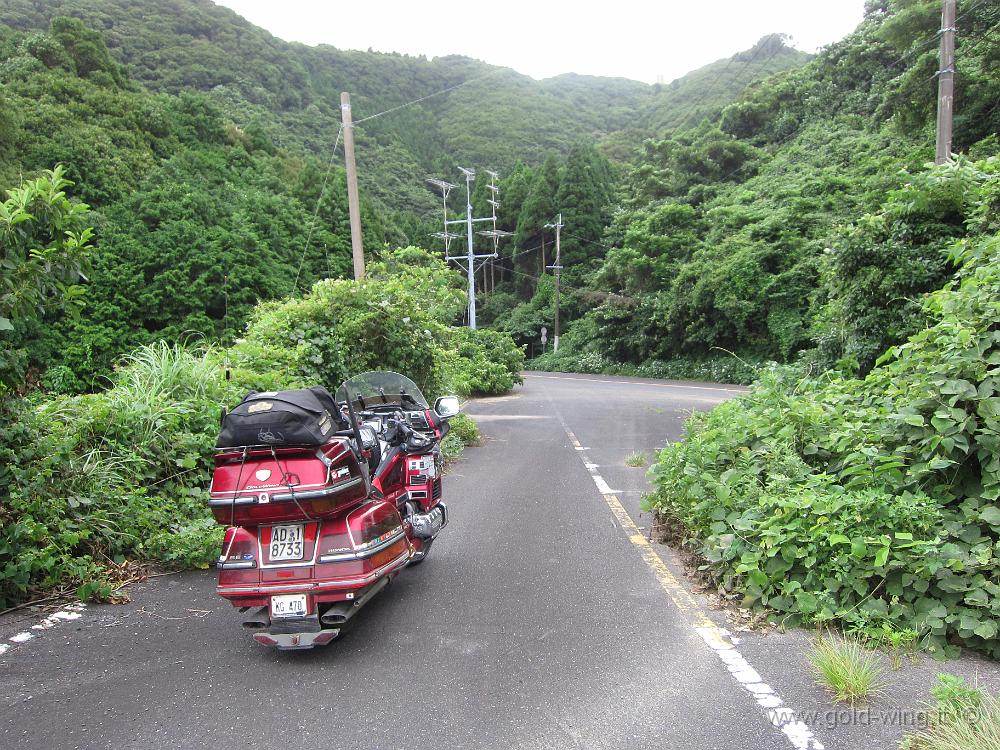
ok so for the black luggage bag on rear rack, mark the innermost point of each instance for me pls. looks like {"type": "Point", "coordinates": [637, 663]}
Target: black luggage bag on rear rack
{"type": "Point", "coordinates": [306, 417]}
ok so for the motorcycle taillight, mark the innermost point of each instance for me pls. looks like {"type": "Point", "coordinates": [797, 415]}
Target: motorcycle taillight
{"type": "Point", "coordinates": [239, 549]}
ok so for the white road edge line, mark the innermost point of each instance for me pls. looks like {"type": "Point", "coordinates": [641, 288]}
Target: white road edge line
{"type": "Point", "coordinates": [640, 382]}
{"type": "Point", "coordinates": [67, 614]}
{"type": "Point", "coordinates": [780, 716]}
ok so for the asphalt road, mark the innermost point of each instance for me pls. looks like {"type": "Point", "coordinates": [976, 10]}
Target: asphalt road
{"type": "Point", "coordinates": [535, 623]}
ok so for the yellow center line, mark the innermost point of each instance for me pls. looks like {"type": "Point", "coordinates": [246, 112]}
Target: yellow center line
{"type": "Point", "coordinates": [716, 638]}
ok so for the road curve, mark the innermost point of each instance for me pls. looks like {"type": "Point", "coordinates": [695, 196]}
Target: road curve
{"type": "Point", "coordinates": [535, 622]}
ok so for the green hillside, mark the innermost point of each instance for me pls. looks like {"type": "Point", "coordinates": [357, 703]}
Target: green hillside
{"type": "Point", "coordinates": [292, 92]}
{"type": "Point", "coordinates": [800, 223]}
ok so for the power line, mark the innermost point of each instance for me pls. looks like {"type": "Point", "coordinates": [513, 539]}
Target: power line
{"type": "Point", "coordinates": [971, 8]}
{"type": "Point", "coordinates": [592, 242]}
{"type": "Point", "coordinates": [711, 87]}
{"type": "Point", "coordinates": [429, 96]}
{"type": "Point", "coordinates": [927, 44]}
{"type": "Point", "coordinates": [581, 290]}
{"type": "Point", "coordinates": [340, 132]}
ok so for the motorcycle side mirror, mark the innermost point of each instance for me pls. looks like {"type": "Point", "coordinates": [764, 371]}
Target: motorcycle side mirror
{"type": "Point", "coordinates": [447, 406]}
{"type": "Point", "coordinates": [368, 437]}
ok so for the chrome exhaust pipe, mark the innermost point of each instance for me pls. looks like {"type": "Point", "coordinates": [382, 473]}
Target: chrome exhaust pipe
{"type": "Point", "coordinates": [340, 612]}
{"type": "Point", "coordinates": [258, 620]}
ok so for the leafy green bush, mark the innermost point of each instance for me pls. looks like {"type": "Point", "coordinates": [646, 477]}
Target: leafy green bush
{"type": "Point", "coordinates": [396, 319]}
{"type": "Point", "coordinates": [463, 432]}
{"type": "Point", "coordinates": [878, 269]}
{"type": "Point", "coordinates": [486, 362]}
{"type": "Point", "coordinates": [44, 242]}
{"type": "Point", "coordinates": [868, 500]}
{"type": "Point", "coordinates": [121, 474]}
{"type": "Point", "coordinates": [465, 429]}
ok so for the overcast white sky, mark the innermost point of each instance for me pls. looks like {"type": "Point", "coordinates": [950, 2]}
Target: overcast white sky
{"type": "Point", "coordinates": [639, 40]}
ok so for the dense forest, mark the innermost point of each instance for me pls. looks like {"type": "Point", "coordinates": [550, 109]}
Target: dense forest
{"type": "Point", "coordinates": [798, 223]}
{"type": "Point", "coordinates": [778, 217]}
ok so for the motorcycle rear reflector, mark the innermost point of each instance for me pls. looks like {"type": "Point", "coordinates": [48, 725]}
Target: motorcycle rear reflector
{"type": "Point", "coordinates": [374, 526]}
{"type": "Point", "coordinates": [325, 637]}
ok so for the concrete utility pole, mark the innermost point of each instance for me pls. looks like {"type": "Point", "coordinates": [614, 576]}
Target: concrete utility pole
{"type": "Point", "coordinates": [357, 248]}
{"type": "Point", "coordinates": [557, 268]}
{"type": "Point", "coordinates": [470, 175]}
{"type": "Point", "coordinates": [946, 83]}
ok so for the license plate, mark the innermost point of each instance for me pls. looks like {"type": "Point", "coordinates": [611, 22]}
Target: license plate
{"type": "Point", "coordinates": [286, 542]}
{"type": "Point", "coordinates": [289, 605]}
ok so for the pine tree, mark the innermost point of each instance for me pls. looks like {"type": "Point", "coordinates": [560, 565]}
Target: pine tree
{"type": "Point", "coordinates": [514, 189]}
{"type": "Point", "coordinates": [584, 198]}
{"type": "Point", "coordinates": [538, 210]}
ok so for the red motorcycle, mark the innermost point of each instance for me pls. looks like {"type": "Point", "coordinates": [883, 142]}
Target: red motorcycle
{"type": "Point", "coordinates": [325, 501]}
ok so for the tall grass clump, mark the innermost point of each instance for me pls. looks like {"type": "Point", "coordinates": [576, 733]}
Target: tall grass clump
{"type": "Point", "coordinates": [637, 459]}
{"type": "Point", "coordinates": [96, 479]}
{"type": "Point", "coordinates": [846, 667]}
{"type": "Point", "coordinates": [964, 718]}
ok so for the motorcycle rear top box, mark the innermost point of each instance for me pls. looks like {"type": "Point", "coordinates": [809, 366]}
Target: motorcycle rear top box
{"type": "Point", "coordinates": [252, 486]}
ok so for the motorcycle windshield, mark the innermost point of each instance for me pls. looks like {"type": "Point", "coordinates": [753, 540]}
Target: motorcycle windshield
{"type": "Point", "coordinates": [371, 389]}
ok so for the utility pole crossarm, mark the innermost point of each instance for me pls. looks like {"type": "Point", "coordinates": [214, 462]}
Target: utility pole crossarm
{"type": "Point", "coordinates": [467, 262]}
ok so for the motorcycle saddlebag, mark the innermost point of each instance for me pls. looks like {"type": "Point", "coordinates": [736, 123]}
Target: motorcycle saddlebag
{"type": "Point", "coordinates": [304, 417]}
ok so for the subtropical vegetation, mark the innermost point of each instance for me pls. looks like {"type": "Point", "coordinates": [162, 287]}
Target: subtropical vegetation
{"type": "Point", "coordinates": [772, 218]}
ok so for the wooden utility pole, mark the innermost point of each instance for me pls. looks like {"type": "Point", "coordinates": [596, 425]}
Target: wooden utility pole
{"type": "Point", "coordinates": [946, 83]}
{"type": "Point", "coordinates": [557, 268]}
{"type": "Point", "coordinates": [357, 248]}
